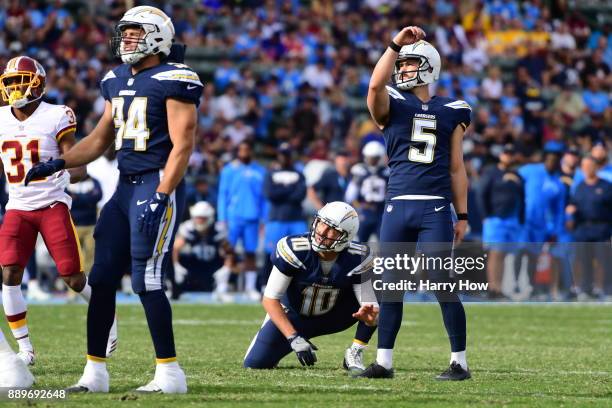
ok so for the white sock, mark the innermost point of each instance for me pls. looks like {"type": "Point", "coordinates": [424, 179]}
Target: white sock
{"type": "Point", "coordinates": [459, 357]}
{"type": "Point", "coordinates": [85, 293]}
{"type": "Point", "coordinates": [95, 366]}
{"type": "Point", "coordinates": [250, 281]}
{"type": "Point", "coordinates": [384, 357]}
{"type": "Point", "coordinates": [358, 345]}
{"type": "Point", "coordinates": [167, 366]}
{"type": "Point", "coordinates": [221, 279]}
{"type": "Point", "coordinates": [25, 344]}
{"type": "Point", "coordinates": [16, 310]}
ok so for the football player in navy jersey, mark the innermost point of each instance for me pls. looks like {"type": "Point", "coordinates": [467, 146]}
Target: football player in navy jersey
{"type": "Point", "coordinates": [319, 284]}
{"type": "Point", "coordinates": [367, 189]}
{"type": "Point", "coordinates": [423, 135]}
{"type": "Point", "coordinates": [151, 116]}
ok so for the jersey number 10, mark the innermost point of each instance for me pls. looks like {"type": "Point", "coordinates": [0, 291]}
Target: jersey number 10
{"type": "Point", "coordinates": [135, 126]}
{"type": "Point", "coordinates": [420, 134]}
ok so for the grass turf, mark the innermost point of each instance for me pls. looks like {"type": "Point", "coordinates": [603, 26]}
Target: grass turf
{"type": "Point", "coordinates": [520, 355]}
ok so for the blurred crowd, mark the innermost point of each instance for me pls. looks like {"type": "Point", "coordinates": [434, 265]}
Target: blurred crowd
{"type": "Point", "coordinates": [287, 80]}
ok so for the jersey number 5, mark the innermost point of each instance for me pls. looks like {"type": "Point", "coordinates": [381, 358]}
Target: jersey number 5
{"type": "Point", "coordinates": [17, 172]}
{"type": "Point", "coordinates": [420, 134]}
{"type": "Point", "coordinates": [135, 127]}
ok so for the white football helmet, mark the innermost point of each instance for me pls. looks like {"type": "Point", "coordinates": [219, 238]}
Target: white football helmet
{"type": "Point", "coordinates": [339, 216]}
{"type": "Point", "coordinates": [429, 66]}
{"type": "Point", "coordinates": [204, 210]}
{"type": "Point", "coordinates": [158, 34]}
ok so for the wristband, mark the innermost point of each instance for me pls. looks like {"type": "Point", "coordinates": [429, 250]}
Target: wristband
{"type": "Point", "coordinates": [462, 216]}
{"type": "Point", "coordinates": [395, 46]}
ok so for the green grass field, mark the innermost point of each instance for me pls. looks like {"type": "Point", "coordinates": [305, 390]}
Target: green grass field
{"type": "Point", "coordinates": [529, 355]}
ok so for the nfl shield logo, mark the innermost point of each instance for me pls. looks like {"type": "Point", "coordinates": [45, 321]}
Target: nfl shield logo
{"type": "Point", "coordinates": [424, 107]}
{"type": "Point", "coordinates": [389, 208]}
{"type": "Point", "coordinates": [130, 81]}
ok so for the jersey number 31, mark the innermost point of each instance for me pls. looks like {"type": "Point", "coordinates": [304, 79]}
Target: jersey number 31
{"type": "Point", "coordinates": [135, 126]}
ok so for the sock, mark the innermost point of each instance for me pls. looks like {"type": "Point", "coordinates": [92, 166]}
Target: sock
{"type": "Point", "coordinates": [167, 365]}
{"type": "Point", "coordinates": [85, 293]}
{"type": "Point", "coordinates": [95, 364]}
{"type": "Point", "coordinates": [453, 315]}
{"type": "Point", "coordinates": [389, 323]}
{"type": "Point", "coordinates": [100, 316]}
{"type": "Point", "coordinates": [159, 316]}
{"type": "Point", "coordinates": [221, 279]}
{"type": "Point", "coordinates": [384, 357]}
{"type": "Point", "coordinates": [358, 345]}
{"type": "Point", "coordinates": [364, 333]}
{"type": "Point", "coordinates": [250, 281]}
{"type": "Point", "coordinates": [15, 309]}
{"type": "Point", "coordinates": [459, 357]}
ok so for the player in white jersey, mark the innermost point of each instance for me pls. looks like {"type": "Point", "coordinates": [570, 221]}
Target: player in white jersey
{"type": "Point", "coordinates": [34, 131]}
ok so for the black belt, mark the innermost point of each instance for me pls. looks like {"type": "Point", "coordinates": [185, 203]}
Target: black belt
{"type": "Point", "coordinates": [138, 178]}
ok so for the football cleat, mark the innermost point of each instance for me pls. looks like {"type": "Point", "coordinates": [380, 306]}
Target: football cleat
{"type": "Point", "coordinates": [353, 361]}
{"type": "Point", "coordinates": [375, 370]}
{"type": "Point", "coordinates": [27, 356]}
{"type": "Point", "coordinates": [454, 373]}
{"type": "Point", "coordinates": [111, 346]}
{"type": "Point", "coordinates": [167, 380]}
{"type": "Point", "coordinates": [13, 372]}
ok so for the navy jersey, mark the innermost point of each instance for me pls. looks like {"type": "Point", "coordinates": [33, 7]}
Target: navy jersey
{"type": "Point", "coordinates": [370, 183]}
{"type": "Point", "coordinates": [311, 291]}
{"type": "Point", "coordinates": [202, 250]}
{"type": "Point", "coordinates": [142, 140]}
{"type": "Point", "coordinates": [418, 137]}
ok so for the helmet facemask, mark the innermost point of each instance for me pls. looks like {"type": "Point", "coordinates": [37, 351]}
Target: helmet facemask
{"type": "Point", "coordinates": [21, 87]}
{"type": "Point", "coordinates": [140, 45]}
{"type": "Point", "coordinates": [326, 236]}
{"type": "Point", "coordinates": [405, 84]}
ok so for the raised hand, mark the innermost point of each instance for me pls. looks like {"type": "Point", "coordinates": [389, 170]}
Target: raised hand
{"type": "Point", "coordinates": [409, 35]}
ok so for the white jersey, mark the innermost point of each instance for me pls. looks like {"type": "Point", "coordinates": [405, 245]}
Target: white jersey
{"type": "Point", "coordinates": [24, 143]}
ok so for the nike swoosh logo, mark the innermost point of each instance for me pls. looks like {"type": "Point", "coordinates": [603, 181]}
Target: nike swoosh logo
{"type": "Point", "coordinates": [191, 86]}
{"type": "Point", "coordinates": [141, 202]}
{"type": "Point", "coordinates": [438, 209]}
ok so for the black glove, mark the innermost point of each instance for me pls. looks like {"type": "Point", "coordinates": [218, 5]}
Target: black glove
{"type": "Point", "coordinates": [42, 170]}
{"type": "Point", "coordinates": [304, 350]}
{"type": "Point", "coordinates": [148, 221]}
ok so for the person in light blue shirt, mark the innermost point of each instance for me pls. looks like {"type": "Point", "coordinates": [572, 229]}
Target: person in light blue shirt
{"type": "Point", "coordinates": [596, 100]}
{"type": "Point", "coordinates": [241, 207]}
{"type": "Point", "coordinates": [544, 203]}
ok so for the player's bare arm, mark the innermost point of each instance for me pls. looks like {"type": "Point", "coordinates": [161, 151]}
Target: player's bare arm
{"type": "Point", "coordinates": [277, 315]}
{"type": "Point", "coordinates": [66, 143]}
{"type": "Point", "coordinates": [378, 97]}
{"type": "Point", "coordinates": [182, 123]}
{"type": "Point", "coordinates": [93, 145]}
{"type": "Point", "coordinates": [459, 181]}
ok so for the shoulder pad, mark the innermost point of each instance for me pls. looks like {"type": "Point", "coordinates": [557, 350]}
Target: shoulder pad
{"type": "Point", "coordinates": [181, 74]}
{"type": "Point", "coordinates": [109, 75]}
{"type": "Point", "coordinates": [287, 247]}
{"type": "Point", "coordinates": [394, 93]}
{"type": "Point", "coordinates": [367, 258]}
{"type": "Point", "coordinates": [459, 104]}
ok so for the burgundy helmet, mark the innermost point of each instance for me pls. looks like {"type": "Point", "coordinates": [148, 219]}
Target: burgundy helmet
{"type": "Point", "coordinates": [22, 82]}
